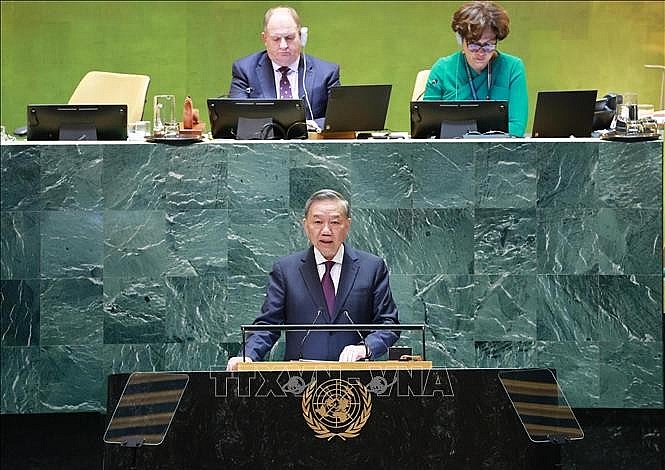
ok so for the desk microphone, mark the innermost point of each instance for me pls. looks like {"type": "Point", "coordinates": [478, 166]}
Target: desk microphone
{"type": "Point", "coordinates": [362, 339]}
{"type": "Point", "coordinates": [304, 31]}
{"type": "Point", "coordinates": [302, 343]}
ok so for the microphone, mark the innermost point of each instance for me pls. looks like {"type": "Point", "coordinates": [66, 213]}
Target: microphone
{"type": "Point", "coordinates": [362, 339]}
{"type": "Point", "coordinates": [302, 343]}
{"type": "Point", "coordinates": [303, 40]}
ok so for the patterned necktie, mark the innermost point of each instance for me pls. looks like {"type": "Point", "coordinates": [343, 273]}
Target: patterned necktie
{"type": "Point", "coordinates": [329, 288]}
{"type": "Point", "coordinates": [284, 85]}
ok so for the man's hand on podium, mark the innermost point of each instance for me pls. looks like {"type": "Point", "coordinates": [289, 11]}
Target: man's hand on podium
{"type": "Point", "coordinates": [232, 365]}
{"type": "Point", "coordinates": [353, 353]}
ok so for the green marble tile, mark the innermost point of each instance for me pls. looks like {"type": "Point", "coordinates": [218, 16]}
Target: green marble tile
{"type": "Point", "coordinates": [631, 373]}
{"type": "Point", "coordinates": [505, 308]}
{"type": "Point", "coordinates": [505, 241]}
{"type": "Point", "coordinates": [619, 182]}
{"type": "Point", "coordinates": [380, 176]}
{"type": "Point", "coordinates": [578, 370]}
{"type": "Point", "coordinates": [505, 176]}
{"type": "Point", "coordinates": [21, 382]}
{"type": "Point", "coordinates": [189, 235]}
{"type": "Point", "coordinates": [127, 358]}
{"type": "Point", "coordinates": [455, 353]}
{"type": "Point", "coordinates": [245, 297]}
{"type": "Point", "coordinates": [72, 311]}
{"type": "Point", "coordinates": [20, 177]}
{"type": "Point", "coordinates": [72, 379]}
{"type": "Point", "coordinates": [197, 178]}
{"type": "Point", "coordinates": [256, 238]}
{"type": "Point", "coordinates": [627, 239]}
{"type": "Point", "coordinates": [567, 241]}
{"type": "Point", "coordinates": [197, 241]}
{"type": "Point", "coordinates": [207, 356]}
{"type": "Point", "coordinates": [567, 308]}
{"type": "Point", "coordinates": [419, 241]}
{"type": "Point", "coordinates": [71, 177]}
{"type": "Point", "coordinates": [441, 241]}
{"type": "Point", "coordinates": [442, 174]}
{"type": "Point", "coordinates": [403, 288]}
{"type": "Point", "coordinates": [196, 309]}
{"type": "Point", "coordinates": [134, 176]}
{"type": "Point", "coordinates": [444, 303]}
{"type": "Point", "coordinates": [135, 244]}
{"type": "Point", "coordinates": [297, 239]}
{"type": "Point", "coordinates": [386, 233]}
{"type": "Point", "coordinates": [491, 354]}
{"type": "Point", "coordinates": [258, 177]}
{"type": "Point", "coordinates": [71, 244]}
{"type": "Point", "coordinates": [630, 309]}
{"type": "Point", "coordinates": [565, 174]}
{"type": "Point", "coordinates": [314, 166]}
{"type": "Point", "coordinates": [20, 245]}
{"type": "Point", "coordinates": [134, 311]}
{"type": "Point", "coordinates": [20, 310]}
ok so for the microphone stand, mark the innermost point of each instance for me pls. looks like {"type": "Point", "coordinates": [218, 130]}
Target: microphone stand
{"type": "Point", "coordinates": [369, 327]}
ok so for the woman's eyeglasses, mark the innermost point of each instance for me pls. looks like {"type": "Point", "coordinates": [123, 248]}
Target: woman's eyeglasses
{"type": "Point", "coordinates": [475, 47]}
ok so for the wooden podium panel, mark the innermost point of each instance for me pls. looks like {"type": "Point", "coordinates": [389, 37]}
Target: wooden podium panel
{"type": "Point", "coordinates": [331, 365]}
{"type": "Point", "coordinates": [339, 419]}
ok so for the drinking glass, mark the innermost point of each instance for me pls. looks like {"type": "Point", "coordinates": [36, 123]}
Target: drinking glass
{"type": "Point", "coordinates": [165, 122]}
{"type": "Point", "coordinates": [138, 130]}
{"type": "Point", "coordinates": [628, 109]}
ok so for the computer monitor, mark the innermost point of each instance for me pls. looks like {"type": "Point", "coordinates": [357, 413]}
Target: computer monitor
{"type": "Point", "coordinates": [564, 113]}
{"type": "Point", "coordinates": [448, 119]}
{"type": "Point", "coordinates": [357, 108]}
{"type": "Point", "coordinates": [77, 122]}
{"type": "Point", "coordinates": [232, 118]}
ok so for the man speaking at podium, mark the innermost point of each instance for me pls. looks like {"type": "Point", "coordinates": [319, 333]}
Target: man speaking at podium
{"type": "Point", "coordinates": [330, 282]}
{"type": "Point", "coordinates": [281, 71]}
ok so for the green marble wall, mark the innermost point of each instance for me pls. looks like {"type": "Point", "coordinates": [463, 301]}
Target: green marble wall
{"type": "Point", "coordinates": [131, 256]}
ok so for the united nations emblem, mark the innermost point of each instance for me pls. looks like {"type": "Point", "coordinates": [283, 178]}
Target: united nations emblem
{"type": "Point", "coordinates": [336, 408]}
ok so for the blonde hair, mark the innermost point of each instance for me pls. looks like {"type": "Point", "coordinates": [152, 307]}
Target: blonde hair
{"type": "Point", "coordinates": [272, 11]}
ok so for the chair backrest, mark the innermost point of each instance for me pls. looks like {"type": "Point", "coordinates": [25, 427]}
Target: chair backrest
{"type": "Point", "coordinates": [113, 88]}
{"type": "Point", "coordinates": [419, 87]}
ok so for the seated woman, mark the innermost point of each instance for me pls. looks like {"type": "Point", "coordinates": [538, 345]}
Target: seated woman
{"type": "Point", "coordinates": [479, 71]}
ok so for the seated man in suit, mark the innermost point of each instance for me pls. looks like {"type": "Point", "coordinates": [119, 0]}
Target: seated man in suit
{"type": "Point", "coordinates": [281, 70]}
{"type": "Point", "coordinates": [330, 282]}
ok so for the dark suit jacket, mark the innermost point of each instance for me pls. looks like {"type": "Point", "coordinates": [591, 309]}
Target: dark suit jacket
{"type": "Point", "coordinates": [253, 77]}
{"type": "Point", "coordinates": [295, 296]}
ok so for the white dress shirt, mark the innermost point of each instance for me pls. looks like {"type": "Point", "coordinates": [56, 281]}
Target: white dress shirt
{"type": "Point", "coordinates": [336, 270]}
{"type": "Point", "coordinates": [292, 75]}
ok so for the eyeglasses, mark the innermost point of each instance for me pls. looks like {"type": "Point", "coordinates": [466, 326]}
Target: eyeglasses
{"type": "Point", "coordinates": [475, 47]}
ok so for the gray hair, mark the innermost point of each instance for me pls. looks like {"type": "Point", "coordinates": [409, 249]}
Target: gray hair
{"type": "Point", "coordinates": [327, 195]}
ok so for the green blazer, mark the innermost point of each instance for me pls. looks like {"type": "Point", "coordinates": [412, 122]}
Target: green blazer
{"type": "Point", "coordinates": [448, 81]}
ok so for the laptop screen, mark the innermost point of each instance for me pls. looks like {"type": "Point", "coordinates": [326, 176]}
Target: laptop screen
{"type": "Point", "coordinates": [282, 119]}
{"type": "Point", "coordinates": [431, 118]}
{"type": "Point", "coordinates": [77, 122]}
{"type": "Point", "coordinates": [357, 108]}
{"type": "Point", "coordinates": [564, 113]}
